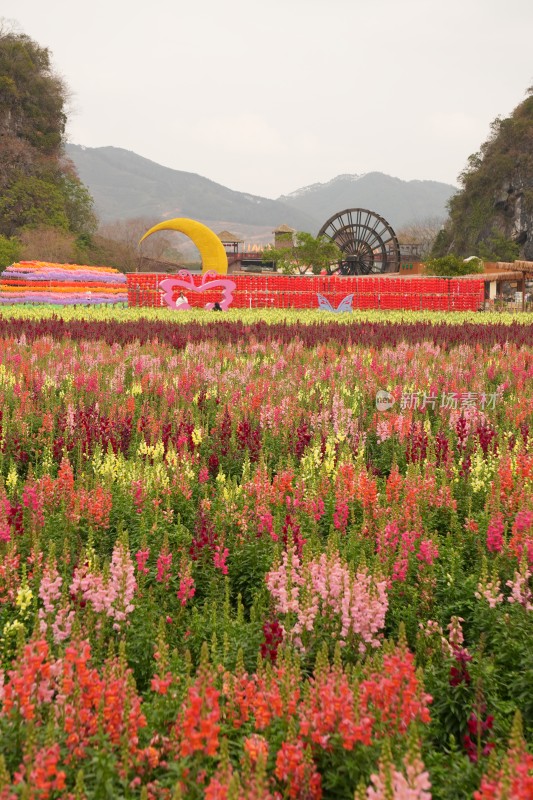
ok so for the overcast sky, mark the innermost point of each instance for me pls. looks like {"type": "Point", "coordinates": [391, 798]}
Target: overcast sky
{"type": "Point", "coordinates": [269, 97]}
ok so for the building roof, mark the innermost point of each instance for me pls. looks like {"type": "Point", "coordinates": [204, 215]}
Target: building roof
{"type": "Point", "coordinates": [284, 229]}
{"type": "Point", "coordinates": [510, 275]}
{"type": "Point", "coordinates": [524, 267]}
{"type": "Point", "coordinates": [477, 276]}
{"type": "Point", "coordinates": [228, 238]}
{"type": "Point", "coordinates": [497, 275]}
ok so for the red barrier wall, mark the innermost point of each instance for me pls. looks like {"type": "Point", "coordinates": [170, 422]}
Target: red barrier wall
{"type": "Point", "coordinates": [279, 291]}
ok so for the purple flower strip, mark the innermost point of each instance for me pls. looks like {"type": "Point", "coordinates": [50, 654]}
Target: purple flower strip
{"type": "Point", "coordinates": [64, 275]}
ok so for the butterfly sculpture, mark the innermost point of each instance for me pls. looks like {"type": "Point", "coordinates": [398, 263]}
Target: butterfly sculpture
{"type": "Point", "coordinates": [344, 305]}
{"type": "Point", "coordinates": [210, 280]}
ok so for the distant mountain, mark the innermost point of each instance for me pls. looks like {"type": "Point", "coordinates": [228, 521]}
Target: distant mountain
{"type": "Point", "coordinates": [125, 185]}
{"type": "Point", "coordinates": [400, 202]}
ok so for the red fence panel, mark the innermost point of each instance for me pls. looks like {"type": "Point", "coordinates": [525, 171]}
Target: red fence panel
{"type": "Point", "coordinates": [300, 291]}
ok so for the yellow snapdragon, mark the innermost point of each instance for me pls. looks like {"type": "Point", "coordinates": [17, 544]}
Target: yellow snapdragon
{"type": "Point", "coordinates": [12, 477]}
{"type": "Point", "coordinates": [24, 598]}
{"type": "Point", "coordinates": [196, 436]}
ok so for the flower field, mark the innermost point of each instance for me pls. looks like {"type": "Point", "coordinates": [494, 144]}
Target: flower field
{"type": "Point", "coordinates": [225, 573]}
{"type": "Point", "coordinates": [61, 284]}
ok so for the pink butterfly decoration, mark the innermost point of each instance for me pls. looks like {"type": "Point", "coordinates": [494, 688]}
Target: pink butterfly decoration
{"type": "Point", "coordinates": [185, 282]}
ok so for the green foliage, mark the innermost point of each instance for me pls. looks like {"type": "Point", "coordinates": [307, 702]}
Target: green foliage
{"type": "Point", "coordinates": [498, 248]}
{"type": "Point", "coordinates": [451, 266]}
{"type": "Point", "coordinates": [32, 98]}
{"type": "Point", "coordinates": [453, 775]}
{"type": "Point", "coordinates": [49, 197]}
{"type": "Point", "coordinates": [78, 204]}
{"type": "Point", "coordinates": [10, 251]}
{"type": "Point", "coordinates": [308, 252]}
{"type": "Point", "coordinates": [29, 202]}
{"type": "Point", "coordinates": [37, 186]}
{"type": "Point", "coordinates": [441, 244]}
{"type": "Point", "coordinates": [482, 214]}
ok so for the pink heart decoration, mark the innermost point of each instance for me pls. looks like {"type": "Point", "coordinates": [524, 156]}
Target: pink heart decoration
{"type": "Point", "coordinates": [185, 281]}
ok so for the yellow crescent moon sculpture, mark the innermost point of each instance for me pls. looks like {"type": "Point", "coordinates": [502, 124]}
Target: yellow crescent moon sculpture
{"type": "Point", "coordinates": [211, 248]}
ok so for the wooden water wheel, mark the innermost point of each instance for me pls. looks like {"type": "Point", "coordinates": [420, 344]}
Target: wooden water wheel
{"type": "Point", "coordinates": [368, 243]}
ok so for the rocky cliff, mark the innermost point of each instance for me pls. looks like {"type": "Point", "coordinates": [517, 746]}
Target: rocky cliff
{"type": "Point", "coordinates": [492, 214]}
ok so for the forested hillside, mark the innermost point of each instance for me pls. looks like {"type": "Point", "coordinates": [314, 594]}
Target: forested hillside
{"type": "Point", "coordinates": [38, 185]}
{"type": "Point", "coordinates": [492, 215]}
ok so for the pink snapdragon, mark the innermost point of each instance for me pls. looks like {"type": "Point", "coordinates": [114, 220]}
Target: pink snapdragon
{"type": "Point", "coordinates": [383, 430]}
{"type": "Point", "coordinates": [122, 584]}
{"type": "Point", "coordinates": [111, 595]}
{"type": "Point", "coordinates": [220, 557]}
{"type": "Point", "coordinates": [266, 523]}
{"type": "Point", "coordinates": [50, 588]}
{"type": "Point", "coordinates": [399, 569]}
{"type": "Point", "coordinates": [523, 521]}
{"type": "Point", "coordinates": [142, 557]}
{"type": "Point", "coordinates": [203, 475]}
{"type": "Point", "coordinates": [186, 589]}
{"type": "Point", "coordinates": [88, 587]}
{"type": "Point", "coordinates": [495, 531]}
{"type": "Point", "coordinates": [50, 594]}
{"type": "Point", "coordinates": [62, 624]}
{"type": "Point", "coordinates": [392, 784]}
{"type": "Point", "coordinates": [5, 508]}
{"type": "Point", "coordinates": [489, 591]}
{"type": "Point", "coordinates": [325, 590]}
{"type": "Point", "coordinates": [284, 582]}
{"type": "Point", "coordinates": [520, 589]}
{"type": "Point", "coordinates": [34, 502]}
{"type": "Point", "coordinates": [388, 539]}
{"type": "Point", "coordinates": [340, 515]}
{"type": "Point", "coordinates": [317, 508]}
{"type": "Point", "coordinates": [137, 491]}
{"type": "Point", "coordinates": [455, 636]}
{"type": "Point", "coordinates": [428, 551]}
{"type": "Point", "coordinates": [164, 563]}
{"type": "Point", "coordinates": [522, 535]}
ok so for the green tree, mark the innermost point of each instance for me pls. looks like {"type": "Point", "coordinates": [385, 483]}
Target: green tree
{"type": "Point", "coordinates": [32, 96]}
{"type": "Point", "coordinates": [451, 266]}
{"type": "Point", "coordinates": [38, 186]}
{"type": "Point", "coordinates": [498, 248]}
{"type": "Point", "coordinates": [78, 203]}
{"type": "Point", "coordinates": [308, 252]}
{"type": "Point", "coordinates": [442, 243]}
{"type": "Point", "coordinates": [31, 201]}
{"type": "Point", "coordinates": [10, 251]}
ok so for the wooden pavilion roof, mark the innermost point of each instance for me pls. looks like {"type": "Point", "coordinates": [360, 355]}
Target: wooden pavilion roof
{"type": "Point", "coordinates": [226, 237]}
{"type": "Point", "coordinates": [504, 275]}
{"type": "Point", "coordinates": [284, 229]}
{"type": "Point", "coordinates": [523, 267]}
